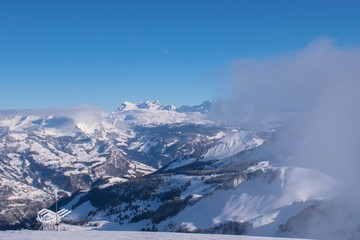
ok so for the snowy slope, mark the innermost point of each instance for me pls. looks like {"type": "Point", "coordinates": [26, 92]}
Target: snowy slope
{"type": "Point", "coordinates": [123, 235]}
{"type": "Point", "coordinates": [262, 201]}
{"type": "Point", "coordinates": [70, 149]}
{"type": "Point", "coordinates": [226, 146]}
{"type": "Point", "coordinates": [259, 198]}
{"type": "Point", "coordinates": [153, 113]}
{"type": "Point", "coordinates": [41, 153]}
{"type": "Point", "coordinates": [234, 143]}
{"type": "Point", "coordinates": [223, 190]}
{"type": "Point", "coordinates": [205, 176]}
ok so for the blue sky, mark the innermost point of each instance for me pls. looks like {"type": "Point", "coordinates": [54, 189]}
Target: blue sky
{"type": "Point", "coordinates": [60, 53]}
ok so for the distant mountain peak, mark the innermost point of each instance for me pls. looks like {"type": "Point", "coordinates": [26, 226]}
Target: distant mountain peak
{"type": "Point", "coordinates": [151, 105]}
{"type": "Point", "coordinates": [204, 107]}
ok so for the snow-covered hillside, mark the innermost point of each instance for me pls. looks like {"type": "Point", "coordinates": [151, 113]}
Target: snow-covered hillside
{"type": "Point", "coordinates": [40, 154]}
{"type": "Point", "coordinates": [123, 235]}
{"type": "Point", "coordinates": [153, 113]}
{"type": "Point", "coordinates": [256, 196]}
{"type": "Point", "coordinates": [152, 167]}
{"type": "Point", "coordinates": [70, 149]}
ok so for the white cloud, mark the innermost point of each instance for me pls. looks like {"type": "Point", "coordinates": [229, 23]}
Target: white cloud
{"type": "Point", "coordinates": [315, 91]}
{"type": "Point", "coordinates": [317, 88]}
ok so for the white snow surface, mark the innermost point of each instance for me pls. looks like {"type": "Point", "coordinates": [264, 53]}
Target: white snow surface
{"type": "Point", "coordinates": [153, 113]}
{"type": "Point", "coordinates": [234, 143]}
{"type": "Point", "coordinates": [154, 117]}
{"type": "Point", "coordinates": [265, 201]}
{"type": "Point", "coordinates": [227, 146]}
{"type": "Point", "coordinates": [120, 235]}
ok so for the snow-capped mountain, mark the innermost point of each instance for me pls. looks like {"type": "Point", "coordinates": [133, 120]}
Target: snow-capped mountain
{"type": "Point", "coordinates": [70, 149]}
{"type": "Point", "coordinates": [40, 154]}
{"type": "Point", "coordinates": [221, 191]}
{"type": "Point", "coordinates": [152, 167]}
{"type": "Point", "coordinates": [153, 114]}
{"type": "Point", "coordinates": [204, 107]}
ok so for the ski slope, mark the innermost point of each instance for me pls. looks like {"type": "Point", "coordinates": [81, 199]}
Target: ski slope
{"type": "Point", "coordinates": [119, 235]}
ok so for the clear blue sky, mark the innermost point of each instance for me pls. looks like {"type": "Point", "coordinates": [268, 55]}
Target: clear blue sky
{"type": "Point", "coordinates": [60, 53]}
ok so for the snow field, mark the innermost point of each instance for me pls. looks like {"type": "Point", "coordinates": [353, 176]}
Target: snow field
{"type": "Point", "coordinates": [120, 235]}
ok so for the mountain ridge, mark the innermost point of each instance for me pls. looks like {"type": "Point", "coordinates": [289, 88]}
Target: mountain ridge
{"type": "Point", "coordinates": [150, 167]}
{"type": "Point", "coordinates": [70, 149]}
